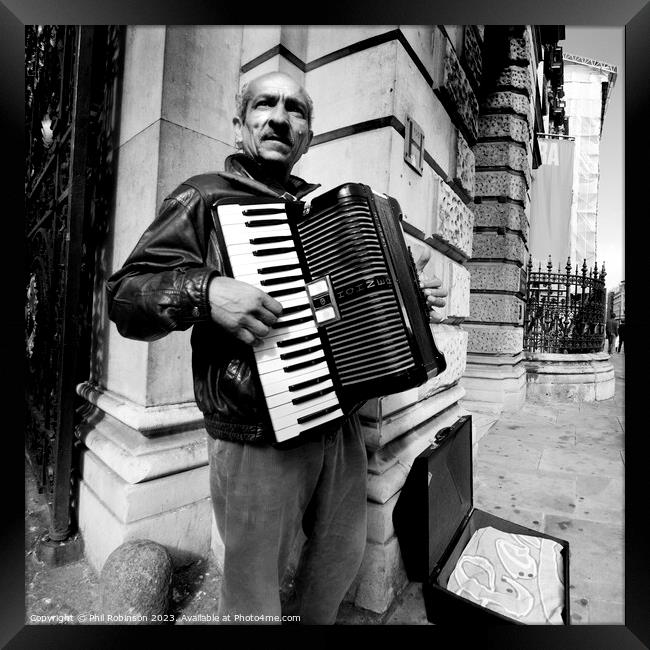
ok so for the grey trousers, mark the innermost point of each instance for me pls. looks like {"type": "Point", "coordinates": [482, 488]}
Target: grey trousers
{"type": "Point", "coordinates": [262, 496]}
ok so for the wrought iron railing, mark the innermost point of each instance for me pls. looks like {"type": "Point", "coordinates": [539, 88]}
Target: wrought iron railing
{"type": "Point", "coordinates": [565, 312]}
{"type": "Point", "coordinates": [71, 106]}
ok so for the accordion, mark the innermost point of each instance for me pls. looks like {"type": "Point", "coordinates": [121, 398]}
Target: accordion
{"type": "Point", "coordinates": [355, 323]}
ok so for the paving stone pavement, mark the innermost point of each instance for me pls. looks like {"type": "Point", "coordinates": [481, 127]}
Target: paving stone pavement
{"type": "Point", "coordinates": [555, 468]}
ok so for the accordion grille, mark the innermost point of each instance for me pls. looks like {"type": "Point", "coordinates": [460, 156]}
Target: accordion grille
{"type": "Point", "coordinates": [370, 339]}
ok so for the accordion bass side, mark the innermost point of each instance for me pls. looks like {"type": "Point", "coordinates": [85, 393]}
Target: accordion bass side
{"type": "Point", "coordinates": [355, 324]}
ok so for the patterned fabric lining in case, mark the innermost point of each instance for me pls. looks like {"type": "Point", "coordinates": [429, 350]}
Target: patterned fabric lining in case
{"type": "Point", "coordinates": [519, 576]}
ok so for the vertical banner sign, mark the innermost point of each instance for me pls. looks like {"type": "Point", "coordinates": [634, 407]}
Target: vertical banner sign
{"type": "Point", "coordinates": [550, 202]}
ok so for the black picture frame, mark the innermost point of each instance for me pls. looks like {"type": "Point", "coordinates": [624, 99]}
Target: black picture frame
{"type": "Point", "coordinates": [634, 15]}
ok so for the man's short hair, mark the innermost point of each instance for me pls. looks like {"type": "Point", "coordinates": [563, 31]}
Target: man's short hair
{"type": "Point", "coordinates": [243, 97]}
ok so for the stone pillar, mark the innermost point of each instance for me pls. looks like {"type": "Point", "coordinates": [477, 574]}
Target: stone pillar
{"type": "Point", "coordinates": [495, 377]}
{"type": "Point", "coordinates": [144, 461]}
{"type": "Point", "coordinates": [365, 82]}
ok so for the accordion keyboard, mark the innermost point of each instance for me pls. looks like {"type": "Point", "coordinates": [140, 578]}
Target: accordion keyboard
{"type": "Point", "coordinates": [291, 363]}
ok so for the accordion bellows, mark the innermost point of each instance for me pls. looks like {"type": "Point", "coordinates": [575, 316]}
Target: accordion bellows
{"type": "Point", "coordinates": [519, 576]}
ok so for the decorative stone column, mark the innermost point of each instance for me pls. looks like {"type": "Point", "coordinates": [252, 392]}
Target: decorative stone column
{"type": "Point", "coordinates": [143, 459]}
{"type": "Point", "coordinates": [495, 377]}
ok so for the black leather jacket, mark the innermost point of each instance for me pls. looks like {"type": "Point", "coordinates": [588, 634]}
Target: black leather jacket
{"type": "Point", "coordinates": [162, 287]}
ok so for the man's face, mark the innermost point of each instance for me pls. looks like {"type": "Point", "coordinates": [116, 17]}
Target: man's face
{"type": "Point", "coordinates": [275, 130]}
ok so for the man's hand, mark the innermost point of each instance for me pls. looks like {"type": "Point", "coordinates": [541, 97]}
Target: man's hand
{"type": "Point", "coordinates": [242, 309]}
{"type": "Point", "coordinates": [435, 295]}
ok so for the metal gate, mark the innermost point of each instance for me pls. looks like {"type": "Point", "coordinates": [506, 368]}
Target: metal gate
{"type": "Point", "coordinates": [72, 78]}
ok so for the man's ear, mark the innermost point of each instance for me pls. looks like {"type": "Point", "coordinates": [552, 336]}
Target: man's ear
{"type": "Point", "coordinates": [237, 126]}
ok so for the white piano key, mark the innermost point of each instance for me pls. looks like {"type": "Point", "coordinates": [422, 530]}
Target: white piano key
{"type": "Point", "coordinates": [286, 397]}
{"type": "Point", "coordinates": [233, 214]}
{"type": "Point", "coordinates": [274, 351]}
{"type": "Point", "coordinates": [242, 234]}
{"type": "Point", "coordinates": [285, 329]}
{"type": "Point", "coordinates": [254, 276]}
{"type": "Point", "coordinates": [285, 318]}
{"type": "Point", "coordinates": [246, 264]}
{"type": "Point", "coordinates": [275, 382]}
{"type": "Point", "coordinates": [235, 250]}
{"type": "Point", "coordinates": [301, 329]}
{"type": "Point", "coordinates": [288, 414]}
{"type": "Point", "coordinates": [265, 366]}
{"type": "Point", "coordinates": [298, 285]}
{"type": "Point", "coordinates": [297, 347]}
{"type": "Point", "coordinates": [292, 301]}
{"type": "Point", "coordinates": [295, 430]}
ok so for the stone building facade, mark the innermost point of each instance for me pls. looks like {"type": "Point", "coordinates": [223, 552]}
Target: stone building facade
{"type": "Point", "coordinates": [471, 91]}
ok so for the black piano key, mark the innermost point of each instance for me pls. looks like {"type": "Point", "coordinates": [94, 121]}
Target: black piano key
{"type": "Point", "coordinates": [250, 212]}
{"type": "Point", "coordinates": [285, 292]}
{"type": "Point", "coordinates": [270, 240]}
{"type": "Point", "coordinates": [261, 223]}
{"type": "Point", "coordinates": [286, 278]}
{"type": "Point", "coordinates": [299, 353]}
{"type": "Point", "coordinates": [278, 269]}
{"type": "Point", "coordinates": [273, 251]}
{"type": "Point", "coordinates": [296, 321]}
{"type": "Point", "coordinates": [294, 309]}
{"type": "Point", "coordinates": [314, 395]}
{"type": "Point", "coordinates": [303, 364]}
{"type": "Point", "coordinates": [298, 339]}
{"type": "Point", "coordinates": [308, 382]}
{"type": "Point", "coordinates": [317, 414]}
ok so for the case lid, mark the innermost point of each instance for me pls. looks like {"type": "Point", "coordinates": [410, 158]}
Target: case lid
{"type": "Point", "coordinates": [436, 499]}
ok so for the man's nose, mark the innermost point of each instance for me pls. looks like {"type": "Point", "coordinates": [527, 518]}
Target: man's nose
{"type": "Point", "coordinates": [279, 114]}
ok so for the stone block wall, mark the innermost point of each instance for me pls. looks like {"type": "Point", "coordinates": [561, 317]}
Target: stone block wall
{"type": "Point", "coordinates": [503, 163]}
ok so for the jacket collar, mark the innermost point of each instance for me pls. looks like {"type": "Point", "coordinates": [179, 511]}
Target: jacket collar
{"type": "Point", "coordinates": [243, 170]}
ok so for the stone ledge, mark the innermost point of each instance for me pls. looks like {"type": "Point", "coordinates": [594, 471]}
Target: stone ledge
{"type": "Point", "coordinates": [394, 461]}
{"type": "Point", "coordinates": [502, 385]}
{"type": "Point", "coordinates": [550, 357]}
{"type": "Point", "coordinates": [569, 378]}
{"type": "Point", "coordinates": [379, 433]}
{"type": "Point", "coordinates": [136, 458]}
{"type": "Point", "coordinates": [129, 502]}
{"type": "Point", "coordinates": [147, 420]}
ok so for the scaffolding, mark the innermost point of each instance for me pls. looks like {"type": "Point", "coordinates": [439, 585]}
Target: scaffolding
{"type": "Point", "coordinates": [588, 84]}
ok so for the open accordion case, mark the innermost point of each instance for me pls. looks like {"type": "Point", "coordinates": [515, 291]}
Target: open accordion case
{"type": "Point", "coordinates": [474, 566]}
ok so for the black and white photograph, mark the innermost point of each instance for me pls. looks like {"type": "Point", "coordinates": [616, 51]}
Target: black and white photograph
{"type": "Point", "coordinates": [324, 325]}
